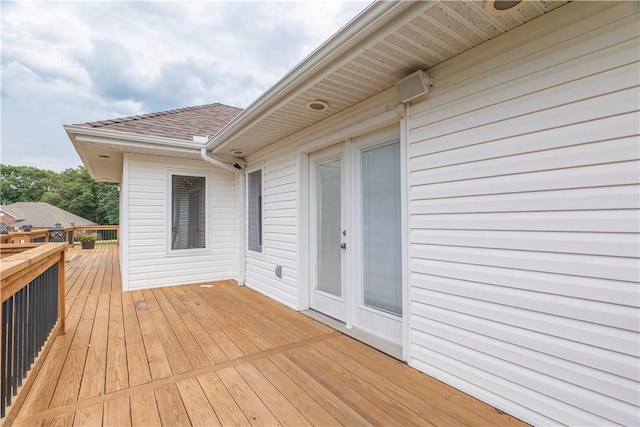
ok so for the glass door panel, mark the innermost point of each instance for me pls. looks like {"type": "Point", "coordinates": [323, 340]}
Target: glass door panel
{"type": "Point", "coordinates": [381, 228]}
{"type": "Point", "coordinates": [329, 227]}
{"type": "Point", "coordinates": [326, 219]}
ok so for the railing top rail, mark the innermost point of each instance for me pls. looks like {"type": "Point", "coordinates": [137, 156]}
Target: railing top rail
{"type": "Point", "coordinates": [21, 261]}
{"type": "Point", "coordinates": [24, 246]}
{"type": "Point", "coordinates": [37, 232]}
{"type": "Point", "coordinates": [95, 227]}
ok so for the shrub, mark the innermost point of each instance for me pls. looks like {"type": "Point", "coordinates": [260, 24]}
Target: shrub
{"type": "Point", "coordinates": [85, 237]}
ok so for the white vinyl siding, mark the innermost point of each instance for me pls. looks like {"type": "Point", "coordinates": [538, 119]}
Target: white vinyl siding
{"type": "Point", "coordinates": [282, 221]}
{"type": "Point", "coordinates": [279, 246]}
{"type": "Point", "coordinates": [149, 259]}
{"type": "Point", "coordinates": [524, 220]}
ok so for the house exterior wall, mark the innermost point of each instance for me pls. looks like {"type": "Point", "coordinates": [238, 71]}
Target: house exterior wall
{"type": "Point", "coordinates": [147, 260]}
{"type": "Point", "coordinates": [285, 233]}
{"type": "Point", "coordinates": [279, 177]}
{"type": "Point", "coordinates": [524, 198]}
{"type": "Point", "coordinates": [523, 195]}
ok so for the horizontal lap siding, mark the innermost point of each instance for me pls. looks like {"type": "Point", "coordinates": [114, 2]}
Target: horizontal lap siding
{"type": "Point", "coordinates": [279, 246]}
{"type": "Point", "coordinates": [149, 264]}
{"type": "Point", "coordinates": [524, 220]}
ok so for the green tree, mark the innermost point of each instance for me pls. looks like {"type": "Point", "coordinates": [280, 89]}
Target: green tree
{"type": "Point", "coordinates": [72, 190]}
{"type": "Point", "coordinates": [77, 192]}
{"type": "Point", "coordinates": [24, 183]}
{"type": "Point", "coordinates": [107, 203]}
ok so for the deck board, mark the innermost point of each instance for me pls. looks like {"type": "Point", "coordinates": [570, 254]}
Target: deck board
{"type": "Point", "coordinates": [96, 360]}
{"type": "Point", "coordinates": [220, 355]}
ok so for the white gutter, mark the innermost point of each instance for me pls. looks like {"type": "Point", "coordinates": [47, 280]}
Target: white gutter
{"type": "Point", "coordinates": [216, 162]}
{"type": "Point", "coordinates": [355, 37]}
{"type": "Point", "coordinates": [98, 135]}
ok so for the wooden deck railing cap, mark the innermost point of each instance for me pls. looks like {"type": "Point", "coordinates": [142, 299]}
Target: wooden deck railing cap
{"type": "Point", "coordinates": [20, 261]}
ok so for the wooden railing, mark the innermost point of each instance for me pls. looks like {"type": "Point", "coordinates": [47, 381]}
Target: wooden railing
{"type": "Point", "coordinates": [106, 234]}
{"type": "Point", "coordinates": [22, 237]}
{"type": "Point", "coordinates": [32, 291]}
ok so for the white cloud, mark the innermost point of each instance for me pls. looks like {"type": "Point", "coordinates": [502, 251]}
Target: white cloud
{"type": "Point", "coordinates": [70, 62]}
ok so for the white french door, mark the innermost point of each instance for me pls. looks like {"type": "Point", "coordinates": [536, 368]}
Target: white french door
{"type": "Point", "coordinates": [377, 235]}
{"type": "Point", "coordinates": [327, 218]}
{"type": "Point", "coordinates": [356, 234]}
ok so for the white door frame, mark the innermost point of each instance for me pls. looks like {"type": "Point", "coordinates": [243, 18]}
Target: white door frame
{"type": "Point", "coordinates": [331, 305]}
{"type": "Point", "coordinates": [303, 207]}
{"type": "Point", "coordinates": [358, 314]}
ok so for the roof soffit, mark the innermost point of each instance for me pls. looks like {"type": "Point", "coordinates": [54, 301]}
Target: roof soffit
{"type": "Point", "coordinates": [102, 150]}
{"type": "Point", "coordinates": [380, 47]}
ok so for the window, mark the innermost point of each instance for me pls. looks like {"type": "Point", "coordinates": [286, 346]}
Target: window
{"type": "Point", "coordinates": [254, 207]}
{"type": "Point", "coordinates": [188, 212]}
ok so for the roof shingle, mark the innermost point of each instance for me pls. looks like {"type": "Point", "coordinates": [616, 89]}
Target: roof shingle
{"type": "Point", "coordinates": [181, 123]}
{"type": "Point", "coordinates": [41, 215]}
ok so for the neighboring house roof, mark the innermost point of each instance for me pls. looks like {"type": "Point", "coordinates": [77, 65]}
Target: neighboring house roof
{"type": "Point", "coordinates": [181, 123]}
{"type": "Point", "coordinates": [4, 211]}
{"type": "Point", "coordinates": [101, 144]}
{"type": "Point", "coordinates": [7, 217]}
{"type": "Point", "coordinates": [43, 215]}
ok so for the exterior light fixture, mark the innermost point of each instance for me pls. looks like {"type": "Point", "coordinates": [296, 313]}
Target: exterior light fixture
{"type": "Point", "coordinates": [237, 152]}
{"type": "Point", "coordinates": [500, 7]}
{"type": "Point", "coordinates": [317, 105]}
{"type": "Point", "coordinates": [413, 86]}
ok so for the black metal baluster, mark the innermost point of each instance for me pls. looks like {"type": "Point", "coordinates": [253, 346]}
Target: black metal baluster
{"type": "Point", "coordinates": [19, 341]}
{"type": "Point", "coordinates": [9, 353]}
{"type": "Point", "coordinates": [16, 342]}
{"type": "Point", "coordinates": [30, 327]}
{"type": "Point", "coordinates": [50, 300]}
{"type": "Point", "coordinates": [54, 286]}
{"type": "Point", "coordinates": [5, 360]}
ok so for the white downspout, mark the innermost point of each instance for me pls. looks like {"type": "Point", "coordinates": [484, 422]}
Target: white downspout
{"type": "Point", "coordinates": [242, 259]}
{"type": "Point", "coordinates": [216, 162]}
{"type": "Point", "coordinates": [242, 225]}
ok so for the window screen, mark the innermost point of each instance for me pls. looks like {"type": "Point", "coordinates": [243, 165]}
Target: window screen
{"type": "Point", "coordinates": [187, 212]}
{"type": "Point", "coordinates": [254, 202]}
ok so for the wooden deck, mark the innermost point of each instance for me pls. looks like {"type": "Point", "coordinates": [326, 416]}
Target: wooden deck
{"type": "Point", "coordinates": [220, 355]}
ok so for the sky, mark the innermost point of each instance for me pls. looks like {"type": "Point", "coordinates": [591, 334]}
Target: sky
{"type": "Point", "coordinates": [81, 61]}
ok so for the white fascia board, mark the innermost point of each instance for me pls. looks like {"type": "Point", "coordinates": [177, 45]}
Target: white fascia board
{"type": "Point", "coordinates": [97, 136]}
{"type": "Point", "coordinates": [364, 31]}
{"type": "Point", "coordinates": [81, 153]}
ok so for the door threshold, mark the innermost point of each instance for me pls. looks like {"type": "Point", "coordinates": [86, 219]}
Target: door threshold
{"type": "Point", "coordinates": [367, 338]}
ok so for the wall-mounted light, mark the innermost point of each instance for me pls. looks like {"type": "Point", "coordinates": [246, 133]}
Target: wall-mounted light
{"type": "Point", "coordinates": [413, 86]}
{"type": "Point", "coordinates": [500, 7]}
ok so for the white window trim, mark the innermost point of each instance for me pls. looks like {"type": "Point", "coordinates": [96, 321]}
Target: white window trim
{"type": "Point", "coordinates": [207, 214]}
{"type": "Point", "coordinates": [253, 168]}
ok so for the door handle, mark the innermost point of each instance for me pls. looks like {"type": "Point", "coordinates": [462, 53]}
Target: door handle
{"type": "Point", "coordinates": [343, 245]}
